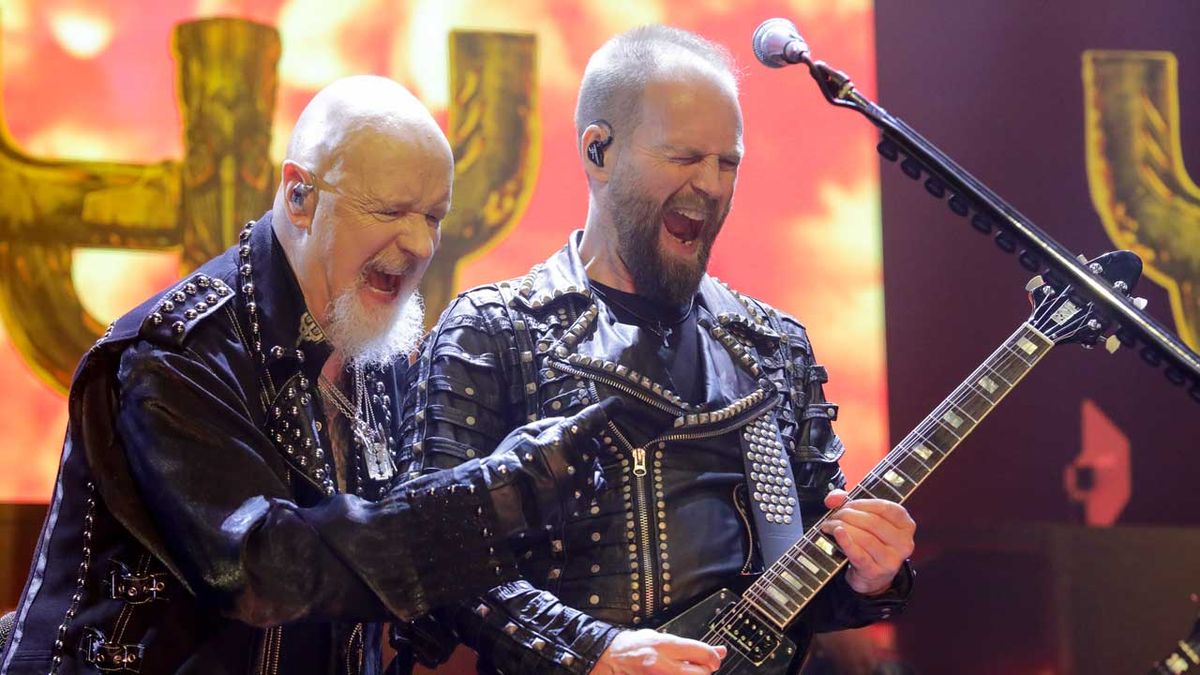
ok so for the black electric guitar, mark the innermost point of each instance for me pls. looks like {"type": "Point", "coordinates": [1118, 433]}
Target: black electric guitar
{"type": "Point", "coordinates": [751, 625]}
{"type": "Point", "coordinates": [1185, 659]}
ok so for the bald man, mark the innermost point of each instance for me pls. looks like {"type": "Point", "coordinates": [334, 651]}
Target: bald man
{"type": "Point", "coordinates": [227, 500]}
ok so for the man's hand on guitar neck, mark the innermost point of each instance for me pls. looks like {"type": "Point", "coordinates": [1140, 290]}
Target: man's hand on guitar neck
{"type": "Point", "coordinates": [876, 535]}
{"type": "Point", "coordinates": [648, 652]}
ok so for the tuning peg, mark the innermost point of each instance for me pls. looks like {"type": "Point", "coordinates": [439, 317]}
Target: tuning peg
{"type": "Point", "coordinates": [1034, 283]}
{"type": "Point", "coordinates": [1140, 303]}
{"type": "Point", "coordinates": [1112, 344]}
{"type": "Point", "coordinates": [1081, 258]}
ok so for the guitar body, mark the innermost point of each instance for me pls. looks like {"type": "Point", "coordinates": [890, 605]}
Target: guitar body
{"type": "Point", "coordinates": [755, 646]}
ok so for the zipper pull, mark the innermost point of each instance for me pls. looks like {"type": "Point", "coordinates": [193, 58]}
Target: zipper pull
{"type": "Point", "coordinates": [639, 462]}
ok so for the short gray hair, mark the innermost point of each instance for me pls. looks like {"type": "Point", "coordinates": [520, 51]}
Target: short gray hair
{"type": "Point", "coordinates": [618, 72]}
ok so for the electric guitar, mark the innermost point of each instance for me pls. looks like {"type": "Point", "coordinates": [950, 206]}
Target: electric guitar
{"type": "Point", "coordinates": [751, 625]}
{"type": "Point", "coordinates": [1185, 659]}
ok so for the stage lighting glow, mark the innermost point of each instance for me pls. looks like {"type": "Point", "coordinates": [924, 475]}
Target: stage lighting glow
{"type": "Point", "coordinates": [81, 34]}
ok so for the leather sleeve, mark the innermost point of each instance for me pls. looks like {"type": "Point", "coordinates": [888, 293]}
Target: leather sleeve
{"type": "Point", "coordinates": [467, 396]}
{"type": "Point", "coordinates": [218, 493]}
{"type": "Point", "coordinates": [815, 465]}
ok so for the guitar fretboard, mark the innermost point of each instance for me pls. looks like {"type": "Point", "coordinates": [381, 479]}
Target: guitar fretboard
{"type": "Point", "coordinates": [792, 581]}
{"type": "Point", "coordinates": [1185, 659]}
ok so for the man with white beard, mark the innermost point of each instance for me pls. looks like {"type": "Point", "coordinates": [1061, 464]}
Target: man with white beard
{"type": "Point", "coordinates": [228, 499]}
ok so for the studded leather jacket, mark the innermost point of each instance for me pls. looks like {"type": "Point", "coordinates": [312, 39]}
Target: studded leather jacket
{"type": "Point", "coordinates": [196, 526]}
{"type": "Point", "coordinates": [680, 519]}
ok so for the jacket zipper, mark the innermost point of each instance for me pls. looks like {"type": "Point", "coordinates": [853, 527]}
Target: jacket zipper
{"type": "Point", "coordinates": [272, 639]}
{"type": "Point", "coordinates": [617, 384]}
{"type": "Point", "coordinates": [355, 636]}
{"type": "Point", "coordinates": [642, 505]}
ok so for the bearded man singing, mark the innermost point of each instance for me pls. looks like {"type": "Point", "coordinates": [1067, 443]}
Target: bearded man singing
{"type": "Point", "coordinates": [227, 498]}
{"type": "Point", "coordinates": [713, 382]}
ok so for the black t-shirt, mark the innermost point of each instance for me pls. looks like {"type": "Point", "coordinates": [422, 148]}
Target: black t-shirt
{"type": "Point", "coordinates": [679, 365]}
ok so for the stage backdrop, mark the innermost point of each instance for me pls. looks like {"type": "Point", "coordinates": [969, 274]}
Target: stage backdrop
{"type": "Point", "coordinates": [1081, 115]}
{"type": "Point", "coordinates": [141, 135]}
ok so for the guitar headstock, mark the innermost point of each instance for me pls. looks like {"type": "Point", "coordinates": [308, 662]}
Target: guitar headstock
{"type": "Point", "coordinates": [1063, 316]}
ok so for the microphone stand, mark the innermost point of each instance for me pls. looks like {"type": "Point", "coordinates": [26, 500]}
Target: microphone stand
{"type": "Point", "coordinates": [1039, 251]}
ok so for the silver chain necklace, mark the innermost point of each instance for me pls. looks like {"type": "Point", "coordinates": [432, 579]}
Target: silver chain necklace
{"type": "Point", "coordinates": [368, 433]}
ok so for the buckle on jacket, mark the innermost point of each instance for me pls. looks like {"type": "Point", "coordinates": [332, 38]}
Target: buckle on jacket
{"type": "Point", "coordinates": [95, 650]}
{"type": "Point", "coordinates": [134, 589]}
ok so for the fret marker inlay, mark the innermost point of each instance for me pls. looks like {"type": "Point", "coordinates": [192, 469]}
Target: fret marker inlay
{"type": "Point", "coordinates": [893, 478]}
{"type": "Point", "coordinates": [824, 544]}
{"type": "Point", "coordinates": [952, 419]}
{"type": "Point", "coordinates": [1026, 345]}
{"type": "Point", "coordinates": [988, 385]}
{"type": "Point", "coordinates": [792, 581]}
{"type": "Point", "coordinates": [922, 451]}
{"type": "Point", "coordinates": [809, 565]}
{"type": "Point", "coordinates": [778, 596]}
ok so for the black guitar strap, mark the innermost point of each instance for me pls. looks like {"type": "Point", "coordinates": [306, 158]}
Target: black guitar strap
{"type": "Point", "coordinates": [773, 499]}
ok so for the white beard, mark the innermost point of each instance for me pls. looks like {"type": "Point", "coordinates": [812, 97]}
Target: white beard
{"type": "Point", "coordinates": [374, 337]}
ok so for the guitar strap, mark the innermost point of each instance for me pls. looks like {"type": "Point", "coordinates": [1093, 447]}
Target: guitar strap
{"type": "Point", "coordinates": [773, 499]}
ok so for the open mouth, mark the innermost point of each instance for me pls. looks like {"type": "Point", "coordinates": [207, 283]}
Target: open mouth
{"type": "Point", "coordinates": [684, 224]}
{"type": "Point", "coordinates": [383, 282]}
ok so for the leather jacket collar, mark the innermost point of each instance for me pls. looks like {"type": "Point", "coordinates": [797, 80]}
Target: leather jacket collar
{"type": "Point", "coordinates": [291, 338]}
{"type": "Point", "coordinates": [563, 276]}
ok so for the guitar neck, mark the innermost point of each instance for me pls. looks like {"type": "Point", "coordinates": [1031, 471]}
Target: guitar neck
{"type": "Point", "coordinates": [1183, 659]}
{"type": "Point", "coordinates": [791, 582]}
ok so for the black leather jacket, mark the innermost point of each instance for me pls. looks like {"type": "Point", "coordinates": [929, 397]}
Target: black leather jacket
{"type": "Point", "coordinates": [195, 525]}
{"type": "Point", "coordinates": [676, 524]}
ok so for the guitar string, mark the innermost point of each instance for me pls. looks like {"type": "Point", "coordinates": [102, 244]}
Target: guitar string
{"type": "Point", "coordinates": [742, 606]}
{"type": "Point", "coordinates": [922, 432]}
{"type": "Point", "coordinates": [891, 461]}
{"type": "Point", "coordinates": [1009, 357]}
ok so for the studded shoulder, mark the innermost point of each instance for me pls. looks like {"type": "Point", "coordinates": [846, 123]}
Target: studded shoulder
{"type": "Point", "coordinates": [183, 307]}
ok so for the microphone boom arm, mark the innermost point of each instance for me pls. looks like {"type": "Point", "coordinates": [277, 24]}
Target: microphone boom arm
{"type": "Point", "coordinates": [1040, 250]}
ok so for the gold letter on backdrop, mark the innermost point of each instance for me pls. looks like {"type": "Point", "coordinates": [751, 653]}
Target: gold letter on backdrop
{"type": "Point", "coordinates": [226, 73]}
{"type": "Point", "coordinates": [1135, 171]}
{"type": "Point", "coordinates": [227, 83]}
{"type": "Point", "coordinates": [496, 137]}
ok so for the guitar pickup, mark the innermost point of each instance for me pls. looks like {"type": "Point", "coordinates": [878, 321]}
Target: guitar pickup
{"type": "Point", "coordinates": [753, 638]}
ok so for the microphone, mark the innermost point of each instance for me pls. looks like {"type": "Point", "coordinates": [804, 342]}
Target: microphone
{"type": "Point", "coordinates": [777, 43]}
